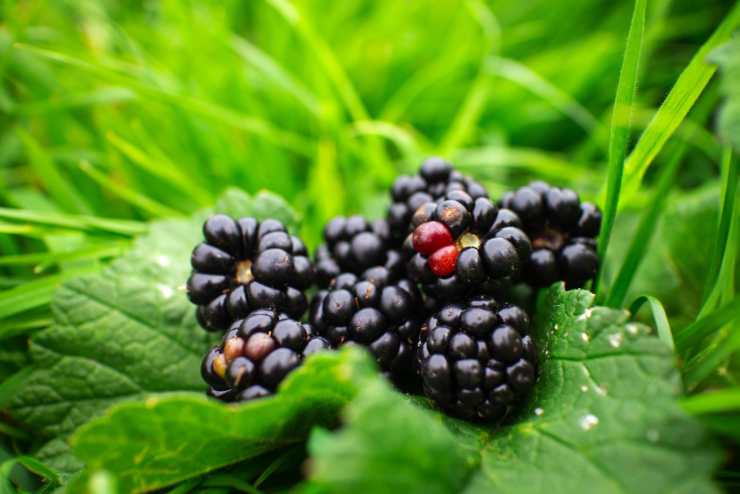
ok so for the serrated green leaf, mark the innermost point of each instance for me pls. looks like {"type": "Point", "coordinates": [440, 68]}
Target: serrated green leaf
{"type": "Point", "coordinates": [604, 418]}
{"type": "Point", "coordinates": [126, 333]}
{"type": "Point", "coordinates": [161, 441]}
{"type": "Point", "coordinates": [417, 453]}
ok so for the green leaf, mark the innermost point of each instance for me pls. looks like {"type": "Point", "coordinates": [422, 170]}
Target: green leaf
{"type": "Point", "coordinates": [417, 452]}
{"type": "Point", "coordinates": [164, 440]}
{"type": "Point", "coordinates": [128, 332]}
{"type": "Point", "coordinates": [604, 418]}
{"type": "Point", "coordinates": [727, 57]}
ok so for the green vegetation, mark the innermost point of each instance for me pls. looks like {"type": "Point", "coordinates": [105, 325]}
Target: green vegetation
{"type": "Point", "coordinates": [124, 123]}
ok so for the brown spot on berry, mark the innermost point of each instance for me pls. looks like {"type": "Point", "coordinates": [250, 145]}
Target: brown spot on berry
{"type": "Point", "coordinates": [258, 346]}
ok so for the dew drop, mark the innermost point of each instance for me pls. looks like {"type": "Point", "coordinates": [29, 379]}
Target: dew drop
{"type": "Point", "coordinates": [539, 411]}
{"type": "Point", "coordinates": [616, 339]}
{"type": "Point", "coordinates": [600, 390]}
{"type": "Point", "coordinates": [163, 261]}
{"type": "Point", "coordinates": [585, 337]}
{"type": "Point", "coordinates": [588, 421]}
{"type": "Point", "coordinates": [632, 329]}
{"type": "Point", "coordinates": [556, 327]}
{"type": "Point", "coordinates": [584, 388]}
{"type": "Point", "coordinates": [586, 314]}
{"type": "Point", "coordinates": [166, 291]}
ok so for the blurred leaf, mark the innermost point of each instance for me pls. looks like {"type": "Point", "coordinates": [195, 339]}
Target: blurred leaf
{"type": "Point", "coordinates": [604, 418]}
{"type": "Point", "coordinates": [727, 57]}
{"type": "Point", "coordinates": [164, 440]}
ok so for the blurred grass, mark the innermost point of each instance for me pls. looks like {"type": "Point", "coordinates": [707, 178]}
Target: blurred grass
{"type": "Point", "coordinates": [114, 113]}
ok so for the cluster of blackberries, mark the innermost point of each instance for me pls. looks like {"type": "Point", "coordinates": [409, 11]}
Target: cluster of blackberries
{"type": "Point", "coordinates": [427, 290]}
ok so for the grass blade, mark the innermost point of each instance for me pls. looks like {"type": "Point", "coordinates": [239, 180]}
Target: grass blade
{"type": "Point", "coordinates": [659, 317]}
{"type": "Point", "coordinates": [642, 238]}
{"type": "Point", "coordinates": [129, 195]}
{"type": "Point", "coordinates": [619, 134]}
{"type": "Point", "coordinates": [724, 400]}
{"type": "Point", "coordinates": [58, 186]}
{"type": "Point", "coordinates": [36, 293]}
{"type": "Point", "coordinates": [527, 78]}
{"type": "Point", "coordinates": [73, 222]}
{"type": "Point", "coordinates": [162, 169]}
{"type": "Point", "coordinates": [277, 74]}
{"type": "Point", "coordinates": [677, 104]}
{"type": "Point", "coordinates": [703, 327]}
{"type": "Point", "coordinates": [713, 286]}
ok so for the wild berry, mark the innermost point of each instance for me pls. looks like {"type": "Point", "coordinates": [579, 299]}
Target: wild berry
{"type": "Point", "coordinates": [381, 314]}
{"type": "Point", "coordinates": [256, 355]}
{"type": "Point", "coordinates": [435, 179]}
{"type": "Point", "coordinates": [562, 230]}
{"type": "Point", "coordinates": [476, 359]}
{"type": "Point", "coordinates": [243, 265]}
{"type": "Point", "coordinates": [465, 246]}
{"type": "Point", "coordinates": [354, 245]}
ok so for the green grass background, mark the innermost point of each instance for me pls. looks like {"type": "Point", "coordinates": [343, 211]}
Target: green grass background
{"type": "Point", "coordinates": [114, 113]}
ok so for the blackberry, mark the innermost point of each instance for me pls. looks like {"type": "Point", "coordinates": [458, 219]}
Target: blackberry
{"type": "Point", "coordinates": [462, 246]}
{"type": "Point", "coordinates": [244, 265]}
{"type": "Point", "coordinates": [563, 232]}
{"type": "Point", "coordinates": [435, 179]}
{"type": "Point", "coordinates": [256, 354]}
{"type": "Point", "coordinates": [353, 245]}
{"type": "Point", "coordinates": [476, 359]}
{"type": "Point", "coordinates": [373, 311]}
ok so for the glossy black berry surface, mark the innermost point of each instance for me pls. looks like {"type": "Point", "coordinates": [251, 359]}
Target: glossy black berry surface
{"type": "Point", "coordinates": [563, 231]}
{"type": "Point", "coordinates": [462, 245]}
{"type": "Point", "coordinates": [375, 312]}
{"type": "Point", "coordinates": [476, 359]}
{"type": "Point", "coordinates": [256, 355]}
{"type": "Point", "coordinates": [353, 245]}
{"type": "Point", "coordinates": [435, 179]}
{"type": "Point", "coordinates": [243, 265]}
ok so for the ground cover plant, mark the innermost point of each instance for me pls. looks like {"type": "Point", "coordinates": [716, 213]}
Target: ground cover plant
{"type": "Point", "coordinates": [128, 125]}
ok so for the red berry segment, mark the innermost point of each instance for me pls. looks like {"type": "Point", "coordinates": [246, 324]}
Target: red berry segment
{"type": "Point", "coordinates": [443, 261]}
{"type": "Point", "coordinates": [431, 236]}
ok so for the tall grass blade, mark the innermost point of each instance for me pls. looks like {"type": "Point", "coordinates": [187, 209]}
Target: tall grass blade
{"type": "Point", "coordinates": [720, 401]}
{"type": "Point", "coordinates": [706, 325]}
{"type": "Point", "coordinates": [713, 285]}
{"type": "Point", "coordinates": [58, 186]}
{"type": "Point", "coordinates": [530, 80]}
{"type": "Point", "coordinates": [619, 134]}
{"type": "Point", "coordinates": [128, 194]}
{"type": "Point", "coordinates": [642, 238]}
{"type": "Point", "coordinates": [677, 104]}
{"type": "Point", "coordinates": [660, 318]}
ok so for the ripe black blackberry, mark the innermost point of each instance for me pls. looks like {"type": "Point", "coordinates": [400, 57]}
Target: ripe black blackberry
{"type": "Point", "coordinates": [373, 311]}
{"type": "Point", "coordinates": [354, 245]}
{"type": "Point", "coordinates": [244, 265]}
{"type": "Point", "coordinates": [563, 232]}
{"type": "Point", "coordinates": [256, 354]}
{"type": "Point", "coordinates": [476, 359]}
{"type": "Point", "coordinates": [462, 246]}
{"type": "Point", "coordinates": [435, 179]}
